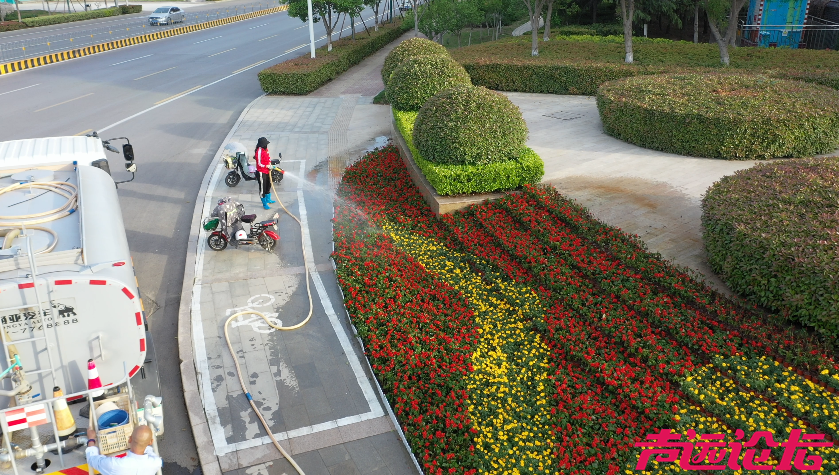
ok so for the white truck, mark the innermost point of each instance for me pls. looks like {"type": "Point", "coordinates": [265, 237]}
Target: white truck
{"type": "Point", "coordinates": [68, 294]}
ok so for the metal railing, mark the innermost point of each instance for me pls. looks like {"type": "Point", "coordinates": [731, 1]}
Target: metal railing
{"type": "Point", "coordinates": [790, 36]}
{"type": "Point", "coordinates": [139, 25]}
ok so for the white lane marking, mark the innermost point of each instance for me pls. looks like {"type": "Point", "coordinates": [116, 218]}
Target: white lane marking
{"type": "Point", "coordinates": [258, 26]}
{"type": "Point", "coordinates": [16, 90]}
{"type": "Point", "coordinates": [221, 52]}
{"type": "Point", "coordinates": [267, 37]}
{"type": "Point", "coordinates": [208, 39]}
{"type": "Point", "coordinates": [200, 88]}
{"type": "Point", "coordinates": [65, 102]}
{"type": "Point", "coordinates": [152, 74]}
{"type": "Point", "coordinates": [135, 59]}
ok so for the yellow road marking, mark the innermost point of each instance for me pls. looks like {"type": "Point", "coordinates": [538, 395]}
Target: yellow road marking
{"type": "Point", "coordinates": [84, 132]}
{"type": "Point", "coordinates": [177, 95]}
{"type": "Point", "coordinates": [248, 67]}
{"type": "Point", "coordinates": [152, 74]}
{"type": "Point", "coordinates": [225, 51]}
{"type": "Point", "coordinates": [295, 48]}
{"type": "Point", "coordinates": [62, 103]}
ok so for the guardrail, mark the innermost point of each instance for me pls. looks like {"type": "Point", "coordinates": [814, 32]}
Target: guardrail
{"type": "Point", "coordinates": [790, 36]}
{"type": "Point", "coordinates": [137, 26]}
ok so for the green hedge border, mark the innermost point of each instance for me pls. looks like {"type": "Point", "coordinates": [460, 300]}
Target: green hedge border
{"type": "Point", "coordinates": [450, 180]}
{"type": "Point", "coordinates": [303, 75]}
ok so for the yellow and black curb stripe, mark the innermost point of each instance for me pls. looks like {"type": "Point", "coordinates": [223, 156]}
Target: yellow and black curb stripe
{"type": "Point", "coordinates": [30, 63]}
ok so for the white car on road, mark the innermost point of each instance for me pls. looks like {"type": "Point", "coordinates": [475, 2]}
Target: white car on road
{"type": "Point", "coordinates": [166, 16]}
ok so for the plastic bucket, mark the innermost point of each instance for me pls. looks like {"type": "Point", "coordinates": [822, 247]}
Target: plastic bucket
{"type": "Point", "coordinates": [114, 418]}
{"type": "Point", "coordinates": [104, 408]}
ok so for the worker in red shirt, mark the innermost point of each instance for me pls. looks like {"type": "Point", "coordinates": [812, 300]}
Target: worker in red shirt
{"type": "Point", "coordinates": [263, 171]}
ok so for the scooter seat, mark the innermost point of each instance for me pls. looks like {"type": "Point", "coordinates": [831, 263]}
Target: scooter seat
{"type": "Point", "coordinates": [275, 161]}
{"type": "Point", "coordinates": [248, 218]}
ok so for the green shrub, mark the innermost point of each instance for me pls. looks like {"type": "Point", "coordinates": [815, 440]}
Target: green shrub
{"type": "Point", "coordinates": [469, 126]}
{"type": "Point", "coordinates": [410, 48]}
{"type": "Point", "coordinates": [128, 9]}
{"type": "Point", "coordinates": [418, 79]}
{"type": "Point", "coordinates": [771, 233]}
{"type": "Point", "coordinates": [469, 179]}
{"type": "Point", "coordinates": [11, 26]}
{"type": "Point", "coordinates": [577, 66]}
{"type": "Point", "coordinates": [70, 17]}
{"type": "Point", "coordinates": [721, 116]}
{"type": "Point", "coordinates": [594, 30]}
{"type": "Point", "coordinates": [303, 75]}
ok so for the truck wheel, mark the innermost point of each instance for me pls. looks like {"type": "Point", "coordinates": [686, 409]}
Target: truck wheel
{"type": "Point", "coordinates": [216, 242]}
{"type": "Point", "coordinates": [267, 242]}
{"type": "Point", "coordinates": [232, 179]}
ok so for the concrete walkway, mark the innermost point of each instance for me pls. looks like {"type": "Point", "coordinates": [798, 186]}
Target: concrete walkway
{"type": "Point", "coordinates": [312, 385]}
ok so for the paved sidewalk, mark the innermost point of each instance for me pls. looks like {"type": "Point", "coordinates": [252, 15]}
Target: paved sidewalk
{"type": "Point", "coordinates": [312, 385]}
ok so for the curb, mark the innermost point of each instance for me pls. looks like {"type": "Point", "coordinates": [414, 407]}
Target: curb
{"type": "Point", "coordinates": [189, 377]}
{"type": "Point", "coordinates": [23, 64]}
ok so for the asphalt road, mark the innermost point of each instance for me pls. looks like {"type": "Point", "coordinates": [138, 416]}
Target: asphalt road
{"type": "Point", "coordinates": [175, 99]}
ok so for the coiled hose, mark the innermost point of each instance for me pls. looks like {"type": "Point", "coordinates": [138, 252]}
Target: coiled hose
{"type": "Point", "coordinates": [10, 226]}
{"type": "Point", "coordinates": [275, 327]}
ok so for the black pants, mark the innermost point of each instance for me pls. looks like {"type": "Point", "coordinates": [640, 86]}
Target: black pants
{"type": "Point", "coordinates": [264, 182]}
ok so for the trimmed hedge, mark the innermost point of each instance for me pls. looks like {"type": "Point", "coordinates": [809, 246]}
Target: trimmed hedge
{"type": "Point", "coordinates": [577, 66]}
{"type": "Point", "coordinates": [70, 17]}
{"type": "Point", "coordinates": [410, 48]}
{"type": "Point", "coordinates": [771, 234]}
{"type": "Point", "coordinates": [11, 26]}
{"type": "Point", "coordinates": [469, 126]}
{"type": "Point", "coordinates": [597, 29]}
{"type": "Point", "coordinates": [129, 9]}
{"type": "Point", "coordinates": [303, 75]}
{"type": "Point", "coordinates": [721, 116]}
{"type": "Point", "coordinates": [417, 79]}
{"type": "Point", "coordinates": [468, 179]}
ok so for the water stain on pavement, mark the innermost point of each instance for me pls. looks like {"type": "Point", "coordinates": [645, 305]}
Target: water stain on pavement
{"type": "Point", "coordinates": [666, 219]}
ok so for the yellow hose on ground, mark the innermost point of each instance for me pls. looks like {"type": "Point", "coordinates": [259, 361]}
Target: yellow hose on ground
{"type": "Point", "coordinates": [275, 327]}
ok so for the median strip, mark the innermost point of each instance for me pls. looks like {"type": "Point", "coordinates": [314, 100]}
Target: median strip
{"type": "Point", "coordinates": [177, 95]}
{"type": "Point", "coordinates": [23, 64]}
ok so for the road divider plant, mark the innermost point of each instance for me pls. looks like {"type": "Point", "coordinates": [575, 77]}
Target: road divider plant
{"type": "Point", "coordinates": [302, 75]}
{"type": "Point", "coordinates": [524, 336]}
{"type": "Point", "coordinates": [79, 16]}
{"type": "Point", "coordinates": [771, 235]}
{"type": "Point", "coordinates": [727, 116]}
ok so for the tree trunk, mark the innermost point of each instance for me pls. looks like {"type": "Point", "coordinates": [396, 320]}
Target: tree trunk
{"type": "Point", "coordinates": [17, 5]}
{"type": "Point", "coordinates": [722, 43]}
{"type": "Point", "coordinates": [696, 23]}
{"type": "Point", "coordinates": [365, 25]}
{"type": "Point", "coordinates": [594, 11]}
{"type": "Point", "coordinates": [416, 19]}
{"type": "Point", "coordinates": [534, 35]}
{"type": "Point", "coordinates": [627, 10]}
{"type": "Point", "coordinates": [547, 35]}
{"type": "Point", "coordinates": [329, 29]}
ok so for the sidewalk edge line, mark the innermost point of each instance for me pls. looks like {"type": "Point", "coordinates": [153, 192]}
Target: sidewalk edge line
{"type": "Point", "coordinates": [189, 379]}
{"type": "Point", "coordinates": [52, 58]}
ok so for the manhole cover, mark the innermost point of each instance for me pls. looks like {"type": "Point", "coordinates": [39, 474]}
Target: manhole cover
{"type": "Point", "coordinates": [564, 115]}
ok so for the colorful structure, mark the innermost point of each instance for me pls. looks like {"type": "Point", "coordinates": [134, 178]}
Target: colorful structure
{"type": "Point", "coordinates": [775, 23]}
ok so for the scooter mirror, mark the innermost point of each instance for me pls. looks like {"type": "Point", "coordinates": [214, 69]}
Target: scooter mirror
{"type": "Point", "coordinates": [128, 152]}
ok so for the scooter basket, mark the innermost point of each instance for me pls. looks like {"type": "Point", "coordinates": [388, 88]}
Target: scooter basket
{"type": "Point", "coordinates": [228, 162]}
{"type": "Point", "coordinates": [211, 224]}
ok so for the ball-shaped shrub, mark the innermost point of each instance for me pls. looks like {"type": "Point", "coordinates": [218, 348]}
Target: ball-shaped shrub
{"type": "Point", "coordinates": [410, 49]}
{"type": "Point", "coordinates": [417, 79]}
{"type": "Point", "coordinates": [469, 125]}
{"type": "Point", "coordinates": [721, 116]}
{"type": "Point", "coordinates": [772, 234]}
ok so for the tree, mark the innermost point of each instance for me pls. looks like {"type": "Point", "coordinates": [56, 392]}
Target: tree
{"type": "Point", "coordinates": [466, 13]}
{"type": "Point", "coordinates": [547, 36]}
{"type": "Point", "coordinates": [415, 6]}
{"type": "Point", "coordinates": [722, 16]}
{"type": "Point", "coordinates": [627, 12]}
{"type": "Point", "coordinates": [374, 5]}
{"type": "Point", "coordinates": [436, 19]}
{"type": "Point", "coordinates": [323, 10]}
{"type": "Point", "coordinates": [351, 8]}
{"type": "Point", "coordinates": [534, 9]}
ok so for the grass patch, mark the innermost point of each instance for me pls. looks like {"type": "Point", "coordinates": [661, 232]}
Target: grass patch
{"type": "Point", "coordinates": [381, 98]}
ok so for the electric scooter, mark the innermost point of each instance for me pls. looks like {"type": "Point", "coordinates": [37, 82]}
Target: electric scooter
{"type": "Point", "coordinates": [237, 171]}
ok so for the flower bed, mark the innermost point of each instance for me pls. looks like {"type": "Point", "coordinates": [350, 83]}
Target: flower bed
{"type": "Point", "coordinates": [721, 115]}
{"type": "Point", "coordinates": [563, 341]}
